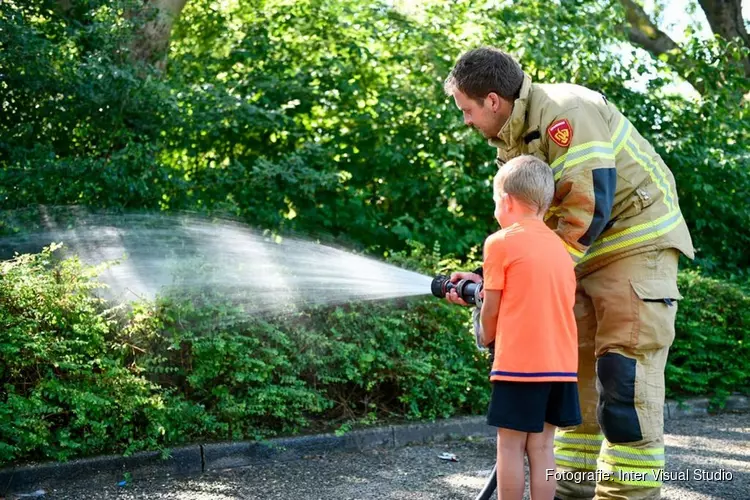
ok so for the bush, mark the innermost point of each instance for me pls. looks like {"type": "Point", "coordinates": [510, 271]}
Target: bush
{"type": "Point", "coordinates": [712, 343]}
{"type": "Point", "coordinates": [79, 379]}
{"type": "Point", "coordinates": [355, 363]}
{"type": "Point", "coordinates": [65, 391]}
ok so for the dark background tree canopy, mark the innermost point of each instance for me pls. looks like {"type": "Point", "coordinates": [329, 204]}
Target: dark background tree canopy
{"type": "Point", "coordinates": [329, 117]}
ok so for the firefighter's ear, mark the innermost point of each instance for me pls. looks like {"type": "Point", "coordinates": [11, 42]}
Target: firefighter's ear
{"type": "Point", "coordinates": [499, 105]}
{"type": "Point", "coordinates": [494, 101]}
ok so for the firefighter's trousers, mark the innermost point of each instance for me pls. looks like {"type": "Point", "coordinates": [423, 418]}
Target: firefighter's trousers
{"type": "Point", "coordinates": [625, 313]}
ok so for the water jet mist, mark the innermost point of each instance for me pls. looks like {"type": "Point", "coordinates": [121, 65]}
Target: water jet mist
{"type": "Point", "coordinates": [157, 252]}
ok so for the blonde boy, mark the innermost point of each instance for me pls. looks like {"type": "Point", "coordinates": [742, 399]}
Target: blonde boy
{"type": "Point", "coordinates": [529, 292]}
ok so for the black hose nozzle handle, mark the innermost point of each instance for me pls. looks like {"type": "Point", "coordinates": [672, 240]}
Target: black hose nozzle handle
{"type": "Point", "coordinates": [466, 289]}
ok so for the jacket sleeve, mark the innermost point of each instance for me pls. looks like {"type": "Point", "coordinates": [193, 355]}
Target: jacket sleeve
{"type": "Point", "coordinates": [582, 158]}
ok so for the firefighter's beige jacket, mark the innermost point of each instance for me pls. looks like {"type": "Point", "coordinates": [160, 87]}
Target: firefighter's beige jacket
{"type": "Point", "coordinates": [614, 196]}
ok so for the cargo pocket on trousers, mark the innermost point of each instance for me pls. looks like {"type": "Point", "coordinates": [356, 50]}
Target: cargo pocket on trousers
{"type": "Point", "coordinates": [656, 305]}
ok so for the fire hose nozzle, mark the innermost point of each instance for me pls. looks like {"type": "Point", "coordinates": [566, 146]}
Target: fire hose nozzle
{"type": "Point", "coordinates": [466, 289]}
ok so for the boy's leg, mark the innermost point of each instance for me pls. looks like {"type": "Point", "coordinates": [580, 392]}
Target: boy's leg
{"type": "Point", "coordinates": [510, 474]}
{"type": "Point", "coordinates": [539, 447]}
{"type": "Point", "coordinates": [516, 408]}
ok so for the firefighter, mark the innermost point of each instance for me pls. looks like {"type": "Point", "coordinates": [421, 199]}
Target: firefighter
{"type": "Point", "coordinates": [616, 210]}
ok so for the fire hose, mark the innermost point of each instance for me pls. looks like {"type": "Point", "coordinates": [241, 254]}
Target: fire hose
{"type": "Point", "coordinates": [469, 291]}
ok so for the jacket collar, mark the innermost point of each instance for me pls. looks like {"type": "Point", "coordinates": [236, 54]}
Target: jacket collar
{"type": "Point", "coordinates": [513, 129]}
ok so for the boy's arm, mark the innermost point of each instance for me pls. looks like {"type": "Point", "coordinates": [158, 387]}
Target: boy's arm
{"type": "Point", "coordinates": [494, 283]}
{"type": "Point", "coordinates": [488, 317]}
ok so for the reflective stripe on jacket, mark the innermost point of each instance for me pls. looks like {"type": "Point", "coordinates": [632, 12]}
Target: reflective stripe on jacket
{"type": "Point", "coordinates": [614, 195]}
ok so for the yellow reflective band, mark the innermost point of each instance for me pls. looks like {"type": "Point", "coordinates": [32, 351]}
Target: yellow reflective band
{"type": "Point", "coordinates": [583, 148]}
{"type": "Point", "coordinates": [653, 171]}
{"type": "Point", "coordinates": [647, 478]}
{"type": "Point", "coordinates": [634, 235]}
{"type": "Point", "coordinates": [604, 155]}
{"type": "Point", "coordinates": [582, 153]}
{"type": "Point", "coordinates": [622, 133]}
{"type": "Point", "coordinates": [577, 459]}
{"type": "Point", "coordinates": [636, 451]}
{"type": "Point", "coordinates": [579, 435]}
{"type": "Point", "coordinates": [578, 441]}
{"type": "Point", "coordinates": [559, 161]}
{"type": "Point", "coordinates": [575, 254]}
{"type": "Point", "coordinates": [635, 229]}
{"type": "Point", "coordinates": [577, 446]}
{"type": "Point", "coordinates": [625, 455]}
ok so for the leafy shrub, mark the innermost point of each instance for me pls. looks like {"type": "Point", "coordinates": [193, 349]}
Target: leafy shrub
{"type": "Point", "coordinates": [414, 361]}
{"type": "Point", "coordinates": [238, 372]}
{"type": "Point", "coordinates": [712, 342]}
{"type": "Point", "coordinates": [255, 376]}
{"type": "Point", "coordinates": [78, 379]}
{"type": "Point", "coordinates": [65, 392]}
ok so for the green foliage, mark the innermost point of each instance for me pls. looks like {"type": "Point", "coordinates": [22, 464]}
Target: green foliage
{"type": "Point", "coordinates": [712, 342]}
{"type": "Point", "coordinates": [65, 393]}
{"type": "Point", "coordinates": [239, 374]}
{"type": "Point", "coordinates": [257, 376]}
{"type": "Point", "coordinates": [330, 116]}
{"type": "Point", "coordinates": [82, 123]}
{"type": "Point", "coordinates": [413, 360]}
{"type": "Point", "coordinates": [80, 380]}
{"type": "Point", "coordinates": [705, 144]}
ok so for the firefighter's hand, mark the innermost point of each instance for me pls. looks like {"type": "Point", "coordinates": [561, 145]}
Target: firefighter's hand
{"type": "Point", "coordinates": [452, 296]}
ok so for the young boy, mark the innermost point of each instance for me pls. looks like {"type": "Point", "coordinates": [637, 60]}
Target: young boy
{"type": "Point", "coordinates": [527, 311]}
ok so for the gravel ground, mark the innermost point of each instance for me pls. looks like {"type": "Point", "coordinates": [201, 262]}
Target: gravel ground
{"type": "Point", "coordinates": [716, 447]}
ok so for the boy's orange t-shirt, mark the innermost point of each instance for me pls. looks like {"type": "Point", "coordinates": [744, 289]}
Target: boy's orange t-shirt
{"type": "Point", "coordinates": [537, 337]}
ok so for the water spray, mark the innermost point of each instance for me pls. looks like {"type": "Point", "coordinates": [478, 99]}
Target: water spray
{"type": "Point", "coordinates": [159, 254]}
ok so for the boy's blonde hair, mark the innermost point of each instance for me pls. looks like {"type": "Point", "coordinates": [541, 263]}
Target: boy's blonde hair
{"type": "Point", "coordinates": [528, 179]}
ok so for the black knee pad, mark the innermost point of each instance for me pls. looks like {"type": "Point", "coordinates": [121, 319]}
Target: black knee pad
{"type": "Point", "coordinates": [616, 413]}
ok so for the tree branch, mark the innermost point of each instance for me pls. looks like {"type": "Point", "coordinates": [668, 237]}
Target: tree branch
{"type": "Point", "coordinates": [644, 33]}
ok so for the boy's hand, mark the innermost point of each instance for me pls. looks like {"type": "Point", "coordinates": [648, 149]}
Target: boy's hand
{"type": "Point", "coordinates": [452, 296]}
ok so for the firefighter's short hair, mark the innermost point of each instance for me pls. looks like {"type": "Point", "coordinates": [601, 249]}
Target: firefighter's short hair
{"type": "Point", "coordinates": [483, 70]}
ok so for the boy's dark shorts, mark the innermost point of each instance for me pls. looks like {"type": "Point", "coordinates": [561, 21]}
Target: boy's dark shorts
{"type": "Point", "coordinates": [525, 406]}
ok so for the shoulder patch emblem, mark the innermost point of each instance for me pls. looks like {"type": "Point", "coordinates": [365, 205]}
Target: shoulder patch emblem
{"type": "Point", "coordinates": [561, 133]}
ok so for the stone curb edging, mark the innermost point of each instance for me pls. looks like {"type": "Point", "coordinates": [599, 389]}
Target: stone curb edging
{"type": "Point", "coordinates": [699, 407]}
{"type": "Point", "coordinates": [194, 459]}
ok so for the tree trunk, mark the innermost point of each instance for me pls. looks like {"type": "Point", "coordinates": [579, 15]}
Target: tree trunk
{"type": "Point", "coordinates": [151, 42]}
{"type": "Point", "coordinates": [64, 6]}
{"type": "Point", "coordinates": [725, 19]}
